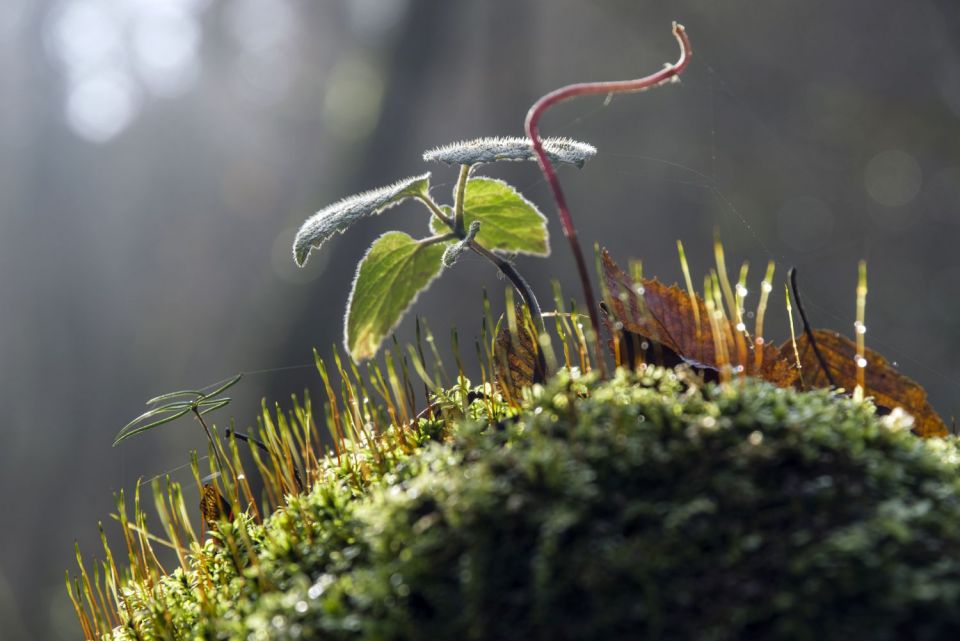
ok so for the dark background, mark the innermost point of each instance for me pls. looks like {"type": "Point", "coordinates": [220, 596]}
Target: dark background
{"type": "Point", "coordinates": [157, 157]}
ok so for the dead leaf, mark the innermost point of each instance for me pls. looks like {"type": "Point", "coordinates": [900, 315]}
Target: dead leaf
{"type": "Point", "coordinates": [517, 359]}
{"type": "Point", "coordinates": [888, 387]}
{"type": "Point", "coordinates": [213, 506]}
{"type": "Point", "coordinates": [666, 316]}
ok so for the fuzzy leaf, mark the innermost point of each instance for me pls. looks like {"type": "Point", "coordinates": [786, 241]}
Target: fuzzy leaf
{"type": "Point", "coordinates": [487, 150]}
{"type": "Point", "coordinates": [390, 277]}
{"type": "Point", "coordinates": [339, 216]}
{"type": "Point", "coordinates": [509, 221]}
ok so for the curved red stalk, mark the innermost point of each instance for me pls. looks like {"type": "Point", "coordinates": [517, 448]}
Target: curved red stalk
{"type": "Point", "coordinates": [582, 89]}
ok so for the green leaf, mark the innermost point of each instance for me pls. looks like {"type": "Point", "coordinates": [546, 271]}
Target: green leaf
{"type": "Point", "coordinates": [509, 221]}
{"type": "Point", "coordinates": [339, 216]}
{"type": "Point", "coordinates": [486, 150]}
{"type": "Point", "coordinates": [390, 277]}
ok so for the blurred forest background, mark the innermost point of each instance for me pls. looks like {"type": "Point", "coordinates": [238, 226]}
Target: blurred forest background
{"type": "Point", "coordinates": [156, 157]}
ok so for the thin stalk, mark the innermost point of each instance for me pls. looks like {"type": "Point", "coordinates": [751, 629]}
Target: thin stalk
{"type": "Point", "coordinates": [508, 270]}
{"type": "Point", "coordinates": [435, 209]}
{"type": "Point", "coordinates": [433, 240]}
{"type": "Point", "coordinates": [861, 329]}
{"type": "Point", "coordinates": [532, 129]}
{"type": "Point", "coordinates": [807, 330]}
{"type": "Point", "coordinates": [458, 225]}
{"type": "Point", "coordinates": [793, 336]}
{"type": "Point", "coordinates": [220, 463]}
{"type": "Point", "coordinates": [765, 288]}
{"type": "Point", "coordinates": [522, 287]}
{"type": "Point", "coordinates": [691, 292]}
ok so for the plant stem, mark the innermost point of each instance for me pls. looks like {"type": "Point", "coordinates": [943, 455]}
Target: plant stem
{"type": "Point", "coordinates": [459, 227]}
{"type": "Point", "coordinates": [439, 238]}
{"type": "Point", "coordinates": [519, 283]}
{"type": "Point", "coordinates": [531, 127]}
{"type": "Point", "coordinates": [808, 331]}
{"type": "Point", "coordinates": [529, 298]}
{"type": "Point", "coordinates": [435, 209]}
{"type": "Point", "coordinates": [216, 452]}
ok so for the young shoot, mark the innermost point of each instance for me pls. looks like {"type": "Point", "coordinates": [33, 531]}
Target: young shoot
{"type": "Point", "coordinates": [486, 216]}
{"type": "Point", "coordinates": [167, 408]}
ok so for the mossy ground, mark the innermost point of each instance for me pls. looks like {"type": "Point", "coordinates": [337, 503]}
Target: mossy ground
{"type": "Point", "coordinates": [646, 507]}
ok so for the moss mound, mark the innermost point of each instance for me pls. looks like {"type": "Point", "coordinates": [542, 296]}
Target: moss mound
{"type": "Point", "coordinates": [641, 508]}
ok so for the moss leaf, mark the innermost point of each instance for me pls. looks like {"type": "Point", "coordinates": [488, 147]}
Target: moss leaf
{"type": "Point", "coordinates": [339, 216]}
{"type": "Point", "coordinates": [390, 277]}
{"type": "Point", "coordinates": [509, 221]}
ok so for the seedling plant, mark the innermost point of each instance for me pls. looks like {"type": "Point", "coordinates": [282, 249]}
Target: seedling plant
{"type": "Point", "coordinates": [487, 216]}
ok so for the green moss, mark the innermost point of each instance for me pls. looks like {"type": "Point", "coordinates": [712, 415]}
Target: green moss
{"type": "Point", "coordinates": [635, 509]}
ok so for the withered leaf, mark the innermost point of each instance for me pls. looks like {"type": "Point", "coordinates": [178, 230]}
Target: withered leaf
{"type": "Point", "coordinates": [666, 316]}
{"type": "Point", "coordinates": [517, 359]}
{"type": "Point", "coordinates": [213, 506]}
{"type": "Point", "coordinates": [888, 387]}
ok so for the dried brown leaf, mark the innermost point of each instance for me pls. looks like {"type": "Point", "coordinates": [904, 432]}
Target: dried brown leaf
{"type": "Point", "coordinates": [888, 387]}
{"type": "Point", "coordinates": [665, 315]}
{"type": "Point", "coordinates": [517, 358]}
{"type": "Point", "coordinates": [213, 506]}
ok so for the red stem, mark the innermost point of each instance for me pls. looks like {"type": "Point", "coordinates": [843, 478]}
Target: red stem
{"type": "Point", "coordinates": [582, 89]}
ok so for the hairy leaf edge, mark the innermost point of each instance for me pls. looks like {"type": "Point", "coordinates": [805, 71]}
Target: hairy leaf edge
{"type": "Point", "coordinates": [303, 246]}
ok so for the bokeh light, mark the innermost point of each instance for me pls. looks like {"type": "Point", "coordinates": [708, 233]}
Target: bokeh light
{"type": "Point", "coordinates": [354, 93]}
{"type": "Point", "coordinates": [166, 40]}
{"type": "Point", "coordinates": [892, 178]}
{"type": "Point", "coordinates": [101, 105]}
{"type": "Point", "coordinates": [265, 33]}
{"type": "Point", "coordinates": [113, 53]}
